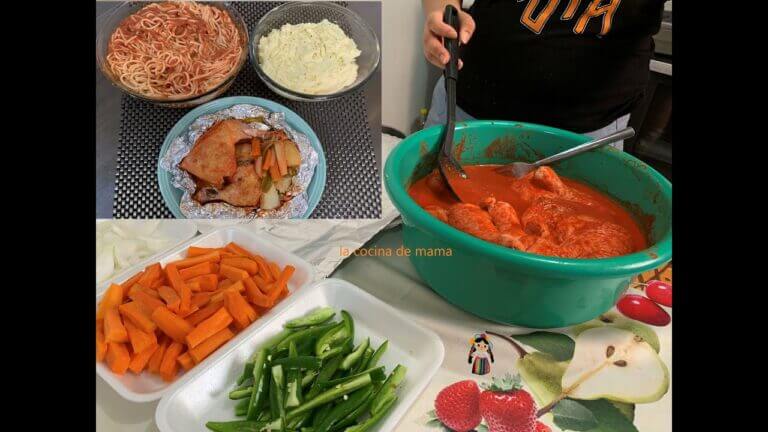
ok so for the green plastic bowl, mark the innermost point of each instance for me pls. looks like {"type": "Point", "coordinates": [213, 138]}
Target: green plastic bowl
{"type": "Point", "coordinates": [513, 287]}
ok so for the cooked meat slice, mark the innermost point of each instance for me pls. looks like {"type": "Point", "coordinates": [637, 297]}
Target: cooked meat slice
{"type": "Point", "coordinates": [243, 153]}
{"type": "Point", "coordinates": [548, 179]}
{"type": "Point", "coordinates": [244, 190]}
{"type": "Point", "coordinates": [473, 220]}
{"type": "Point", "coordinates": [213, 156]}
{"type": "Point", "coordinates": [542, 215]}
{"type": "Point", "coordinates": [502, 214]}
{"type": "Point", "coordinates": [438, 212]}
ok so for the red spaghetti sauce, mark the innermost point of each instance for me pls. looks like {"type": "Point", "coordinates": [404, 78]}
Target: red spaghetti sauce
{"type": "Point", "coordinates": [541, 213]}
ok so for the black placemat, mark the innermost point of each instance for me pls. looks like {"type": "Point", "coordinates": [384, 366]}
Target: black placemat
{"type": "Point", "coordinates": [353, 186]}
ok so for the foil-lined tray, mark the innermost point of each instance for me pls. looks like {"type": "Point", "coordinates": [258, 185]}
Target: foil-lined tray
{"type": "Point", "coordinates": [295, 207]}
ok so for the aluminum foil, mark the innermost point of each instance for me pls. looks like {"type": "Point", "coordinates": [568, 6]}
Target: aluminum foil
{"type": "Point", "coordinates": [293, 208]}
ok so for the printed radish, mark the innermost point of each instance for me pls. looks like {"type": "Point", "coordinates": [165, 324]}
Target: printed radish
{"type": "Point", "coordinates": [644, 310]}
{"type": "Point", "coordinates": [660, 292]}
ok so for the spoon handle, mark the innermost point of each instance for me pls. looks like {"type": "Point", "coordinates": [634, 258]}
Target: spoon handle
{"type": "Point", "coordinates": [616, 136]}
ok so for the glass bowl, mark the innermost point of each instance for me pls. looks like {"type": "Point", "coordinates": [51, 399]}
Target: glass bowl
{"type": "Point", "coordinates": [112, 20]}
{"type": "Point", "coordinates": [304, 12]}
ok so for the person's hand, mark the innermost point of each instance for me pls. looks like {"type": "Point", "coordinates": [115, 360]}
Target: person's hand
{"type": "Point", "coordinates": [435, 29]}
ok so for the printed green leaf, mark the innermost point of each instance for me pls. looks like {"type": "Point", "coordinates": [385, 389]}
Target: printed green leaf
{"type": "Point", "coordinates": [609, 417]}
{"type": "Point", "coordinates": [481, 428]}
{"type": "Point", "coordinates": [558, 345]}
{"type": "Point", "coordinates": [570, 414]}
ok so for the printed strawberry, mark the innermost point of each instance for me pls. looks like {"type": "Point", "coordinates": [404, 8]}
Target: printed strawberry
{"type": "Point", "coordinates": [507, 408]}
{"type": "Point", "coordinates": [458, 406]}
{"type": "Point", "coordinates": [541, 427]}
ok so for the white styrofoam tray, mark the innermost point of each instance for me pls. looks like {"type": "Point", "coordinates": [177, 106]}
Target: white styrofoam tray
{"type": "Point", "coordinates": [179, 231]}
{"type": "Point", "coordinates": [204, 397]}
{"type": "Point", "coordinates": [148, 387]}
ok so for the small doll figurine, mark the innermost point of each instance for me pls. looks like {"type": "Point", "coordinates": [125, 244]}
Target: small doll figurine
{"type": "Point", "coordinates": [481, 351]}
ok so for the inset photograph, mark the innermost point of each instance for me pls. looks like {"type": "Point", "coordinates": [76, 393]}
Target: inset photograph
{"type": "Point", "coordinates": [223, 110]}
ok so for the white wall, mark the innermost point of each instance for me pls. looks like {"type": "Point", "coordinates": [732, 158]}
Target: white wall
{"type": "Point", "coordinates": [404, 69]}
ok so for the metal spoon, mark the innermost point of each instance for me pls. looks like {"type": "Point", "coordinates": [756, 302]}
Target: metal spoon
{"type": "Point", "coordinates": [449, 167]}
{"type": "Point", "coordinates": [519, 169]}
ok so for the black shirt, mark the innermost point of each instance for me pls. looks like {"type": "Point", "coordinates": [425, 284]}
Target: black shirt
{"type": "Point", "coordinates": [571, 64]}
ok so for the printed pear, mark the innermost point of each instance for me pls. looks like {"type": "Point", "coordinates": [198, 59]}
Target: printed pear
{"type": "Point", "coordinates": [617, 320]}
{"type": "Point", "coordinates": [615, 364]}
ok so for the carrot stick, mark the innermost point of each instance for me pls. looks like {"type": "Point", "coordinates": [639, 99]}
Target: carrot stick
{"type": "Point", "coordinates": [114, 330]}
{"type": "Point", "coordinates": [101, 344]}
{"type": "Point", "coordinates": [224, 283]}
{"type": "Point", "coordinates": [112, 298]}
{"type": "Point", "coordinates": [239, 250]}
{"type": "Point", "coordinates": [137, 314]}
{"type": "Point", "coordinates": [140, 340]}
{"type": "Point", "coordinates": [274, 171]}
{"type": "Point", "coordinates": [196, 270]}
{"type": "Point", "coordinates": [255, 147]}
{"type": "Point", "coordinates": [129, 283]}
{"type": "Point", "coordinates": [201, 299]}
{"type": "Point", "coordinates": [200, 316]}
{"type": "Point", "coordinates": [143, 297]}
{"type": "Point", "coordinates": [139, 361]}
{"type": "Point", "coordinates": [255, 295]}
{"type": "Point", "coordinates": [200, 352]}
{"type": "Point", "coordinates": [275, 293]}
{"type": "Point", "coordinates": [170, 297]}
{"type": "Point", "coordinates": [268, 160]}
{"type": "Point", "coordinates": [186, 361]}
{"type": "Point", "coordinates": [181, 288]}
{"type": "Point", "coordinates": [214, 324]}
{"type": "Point", "coordinates": [157, 357]}
{"type": "Point", "coordinates": [171, 324]}
{"type": "Point", "coordinates": [282, 165]}
{"type": "Point", "coordinates": [274, 270]}
{"type": "Point", "coordinates": [261, 283]}
{"type": "Point", "coordinates": [192, 309]}
{"type": "Point", "coordinates": [207, 282]}
{"type": "Point", "coordinates": [169, 367]}
{"type": "Point", "coordinates": [264, 271]}
{"type": "Point", "coordinates": [189, 262]}
{"type": "Point", "coordinates": [285, 276]}
{"type": "Point", "coordinates": [233, 273]}
{"type": "Point", "coordinates": [151, 273]}
{"type": "Point", "coordinates": [241, 311]}
{"type": "Point", "coordinates": [194, 286]}
{"type": "Point", "coordinates": [194, 251]}
{"type": "Point", "coordinates": [219, 295]}
{"type": "Point", "coordinates": [117, 357]}
{"type": "Point", "coordinates": [247, 264]}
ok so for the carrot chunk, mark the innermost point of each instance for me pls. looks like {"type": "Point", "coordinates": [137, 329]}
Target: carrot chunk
{"type": "Point", "coordinates": [152, 273]}
{"type": "Point", "coordinates": [112, 298]}
{"type": "Point", "coordinates": [200, 352]}
{"type": "Point", "coordinates": [170, 297]}
{"type": "Point", "coordinates": [181, 288]}
{"type": "Point", "coordinates": [169, 366]}
{"type": "Point", "coordinates": [214, 324]}
{"type": "Point", "coordinates": [114, 330]}
{"type": "Point", "coordinates": [202, 314]}
{"type": "Point", "coordinates": [196, 270]}
{"type": "Point", "coordinates": [130, 282]}
{"type": "Point", "coordinates": [194, 251]}
{"type": "Point", "coordinates": [186, 361]}
{"type": "Point", "coordinates": [233, 273]}
{"type": "Point", "coordinates": [241, 311]}
{"type": "Point", "coordinates": [139, 361]}
{"type": "Point", "coordinates": [201, 299]}
{"type": "Point", "coordinates": [101, 344]}
{"type": "Point", "coordinates": [189, 262]}
{"type": "Point", "coordinates": [255, 295]}
{"type": "Point", "coordinates": [157, 357]}
{"type": "Point", "coordinates": [143, 297]}
{"type": "Point", "coordinates": [140, 340]}
{"type": "Point", "coordinates": [117, 357]}
{"type": "Point", "coordinates": [171, 324]}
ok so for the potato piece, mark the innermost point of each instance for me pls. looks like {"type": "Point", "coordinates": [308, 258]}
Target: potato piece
{"type": "Point", "coordinates": [270, 199]}
{"type": "Point", "coordinates": [283, 184]}
{"type": "Point", "coordinates": [292, 155]}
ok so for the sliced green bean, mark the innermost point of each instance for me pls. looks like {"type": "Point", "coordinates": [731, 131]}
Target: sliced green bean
{"type": "Point", "coordinates": [331, 394]}
{"type": "Point", "coordinates": [269, 344]}
{"type": "Point", "coordinates": [387, 391]}
{"type": "Point", "coordinates": [316, 317]}
{"type": "Point", "coordinates": [236, 426]}
{"type": "Point", "coordinates": [278, 397]}
{"type": "Point", "coordinates": [375, 418]}
{"type": "Point", "coordinates": [302, 335]}
{"type": "Point", "coordinates": [321, 413]}
{"type": "Point", "coordinates": [355, 356]}
{"type": "Point", "coordinates": [377, 354]}
{"type": "Point", "coordinates": [241, 409]}
{"type": "Point", "coordinates": [331, 338]}
{"type": "Point", "coordinates": [344, 408]}
{"type": "Point", "coordinates": [363, 363]}
{"type": "Point", "coordinates": [377, 375]}
{"type": "Point", "coordinates": [258, 390]}
{"type": "Point", "coordinates": [299, 362]}
{"type": "Point", "coordinates": [308, 378]}
{"type": "Point", "coordinates": [241, 393]}
{"type": "Point", "coordinates": [329, 368]}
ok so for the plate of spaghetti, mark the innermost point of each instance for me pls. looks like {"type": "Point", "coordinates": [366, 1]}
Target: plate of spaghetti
{"type": "Point", "coordinates": [174, 53]}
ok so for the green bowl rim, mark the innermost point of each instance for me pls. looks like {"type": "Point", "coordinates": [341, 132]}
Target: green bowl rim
{"type": "Point", "coordinates": [634, 263]}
